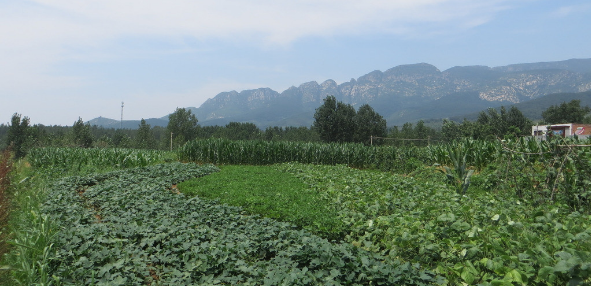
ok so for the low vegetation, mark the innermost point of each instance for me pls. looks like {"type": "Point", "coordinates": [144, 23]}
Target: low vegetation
{"type": "Point", "coordinates": [271, 193]}
{"type": "Point", "coordinates": [512, 212]}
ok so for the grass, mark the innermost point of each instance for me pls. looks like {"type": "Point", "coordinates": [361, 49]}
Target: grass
{"type": "Point", "coordinates": [28, 231]}
{"type": "Point", "coordinates": [271, 193]}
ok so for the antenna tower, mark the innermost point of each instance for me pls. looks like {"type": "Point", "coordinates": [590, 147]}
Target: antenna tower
{"type": "Point", "coordinates": [121, 123]}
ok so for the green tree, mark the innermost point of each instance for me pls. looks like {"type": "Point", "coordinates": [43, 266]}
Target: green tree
{"type": "Point", "coordinates": [519, 125]}
{"type": "Point", "coordinates": [334, 121]}
{"type": "Point", "coordinates": [241, 131]}
{"type": "Point", "coordinates": [19, 135]}
{"type": "Point", "coordinates": [407, 131]}
{"type": "Point", "coordinates": [490, 124]}
{"type": "Point", "coordinates": [145, 137]}
{"type": "Point", "coordinates": [450, 130]}
{"type": "Point", "coordinates": [493, 124]}
{"type": "Point", "coordinates": [421, 131]}
{"type": "Point", "coordinates": [121, 140]}
{"type": "Point", "coordinates": [81, 134]}
{"type": "Point", "coordinates": [570, 112]}
{"type": "Point", "coordinates": [368, 123]}
{"type": "Point", "coordinates": [183, 126]}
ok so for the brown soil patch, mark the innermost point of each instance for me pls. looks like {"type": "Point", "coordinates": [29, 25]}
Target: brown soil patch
{"type": "Point", "coordinates": [175, 190]}
{"type": "Point", "coordinates": [5, 206]}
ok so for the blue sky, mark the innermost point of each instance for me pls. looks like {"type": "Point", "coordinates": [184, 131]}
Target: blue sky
{"type": "Point", "coordinates": [64, 59]}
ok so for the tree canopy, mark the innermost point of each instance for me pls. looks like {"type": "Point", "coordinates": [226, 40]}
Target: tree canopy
{"type": "Point", "coordinates": [368, 123]}
{"type": "Point", "coordinates": [18, 136]}
{"type": "Point", "coordinates": [336, 121]}
{"type": "Point", "coordinates": [81, 133]}
{"type": "Point", "coordinates": [571, 112]}
{"type": "Point", "coordinates": [183, 125]}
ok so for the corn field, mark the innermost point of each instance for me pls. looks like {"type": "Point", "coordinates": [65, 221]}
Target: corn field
{"type": "Point", "coordinates": [78, 158]}
{"type": "Point", "coordinates": [222, 151]}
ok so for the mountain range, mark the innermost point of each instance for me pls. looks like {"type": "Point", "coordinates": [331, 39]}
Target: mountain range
{"type": "Point", "coordinates": [405, 93]}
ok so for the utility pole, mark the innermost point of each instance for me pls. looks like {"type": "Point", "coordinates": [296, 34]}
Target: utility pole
{"type": "Point", "coordinates": [170, 141]}
{"type": "Point", "coordinates": [121, 123]}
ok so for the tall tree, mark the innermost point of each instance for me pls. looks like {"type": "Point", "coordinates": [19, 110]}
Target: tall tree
{"type": "Point", "coordinates": [145, 137]}
{"type": "Point", "coordinates": [407, 131]}
{"type": "Point", "coordinates": [19, 135]}
{"type": "Point", "coordinates": [368, 123]}
{"type": "Point", "coordinates": [450, 130]}
{"type": "Point", "coordinates": [81, 134]}
{"type": "Point", "coordinates": [518, 124]}
{"type": "Point", "coordinates": [334, 121]}
{"type": "Point", "coordinates": [492, 124]}
{"type": "Point", "coordinates": [183, 125]}
{"type": "Point", "coordinates": [121, 140]}
{"type": "Point", "coordinates": [571, 112]}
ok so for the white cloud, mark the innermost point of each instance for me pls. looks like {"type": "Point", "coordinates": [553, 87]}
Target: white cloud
{"type": "Point", "coordinates": [40, 35]}
{"type": "Point", "coordinates": [566, 11]}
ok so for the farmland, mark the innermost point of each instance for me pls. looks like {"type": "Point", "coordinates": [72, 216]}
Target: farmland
{"type": "Point", "coordinates": [284, 213]}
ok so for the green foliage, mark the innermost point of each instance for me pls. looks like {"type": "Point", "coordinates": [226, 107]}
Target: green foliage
{"type": "Point", "coordinates": [334, 121]}
{"type": "Point", "coordinates": [128, 227]}
{"type": "Point", "coordinates": [241, 131]}
{"type": "Point", "coordinates": [183, 126]}
{"type": "Point", "coordinates": [270, 193]}
{"type": "Point", "coordinates": [79, 160]}
{"type": "Point", "coordinates": [460, 174]}
{"type": "Point", "coordinates": [81, 134]}
{"type": "Point", "coordinates": [145, 137]}
{"type": "Point", "coordinates": [571, 112]}
{"type": "Point", "coordinates": [490, 125]}
{"type": "Point", "coordinates": [299, 134]}
{"type": "Point", "coordinates": [19, 135]}
{"type": "Point", "coordinates": [219, 151]}
{"type": "Point", "coordinates": [368, 123]}
{"type": "Point", "coordinates": [486, 238]}
{"type": "Point", "coordinates": [412, 135]}
{"type": "Point", "coordinates": [29, 232]}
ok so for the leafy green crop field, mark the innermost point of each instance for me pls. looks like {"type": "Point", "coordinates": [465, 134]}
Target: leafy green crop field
{"type": "Point", "coordinates": [131, 227]}
{"type": "Point", "coordinates": [490, 213]}
{"type": "Point", "coordinates": [271, 193]}
{"type": "Point", "coordinates": [483, 237]}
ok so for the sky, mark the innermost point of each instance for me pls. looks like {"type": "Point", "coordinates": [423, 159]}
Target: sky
{"type": "Point", "coordinates": [65, 59]}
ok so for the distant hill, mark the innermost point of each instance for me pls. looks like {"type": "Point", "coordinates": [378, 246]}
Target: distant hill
{"type": "Point", "coordinates": [126, 124]}
{"type": "Point", "coordinates": [533, 109]}
{"type": "Point", "coordinates": [402, 94]}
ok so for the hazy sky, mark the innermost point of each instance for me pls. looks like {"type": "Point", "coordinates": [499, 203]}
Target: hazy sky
{"type": "Point", "coordinates": [61, 59]}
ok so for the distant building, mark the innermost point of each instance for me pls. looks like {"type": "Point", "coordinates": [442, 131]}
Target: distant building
{"type": "Point", "coordinates": [562, 130]}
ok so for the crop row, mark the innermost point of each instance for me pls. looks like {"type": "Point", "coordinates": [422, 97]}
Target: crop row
{"type": "Point", "coordinates": [131, 227]}
{"type": "Point", "coordinates": [258, 152]}
{"type": "Point", "coordinates": [545, 171]}
{"type": "Point", "coordinates": [78, 159]}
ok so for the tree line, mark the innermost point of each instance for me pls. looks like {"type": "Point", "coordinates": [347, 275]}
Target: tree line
{"type": "Point", "coordinates": [334, 121]}
{"type": "Point", "coordinates": [21, 136]}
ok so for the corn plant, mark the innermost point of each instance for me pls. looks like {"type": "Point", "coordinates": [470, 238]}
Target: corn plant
{"type": "Point", "coordinates": [79, 159]}
{"type": "Point", "coordinates": [222, 151]}
{"type": "Point", "coordinates": [460, 175]}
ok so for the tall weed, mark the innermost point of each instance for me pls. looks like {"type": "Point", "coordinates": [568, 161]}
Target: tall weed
{"type": "Point", "coordinates": [27, 263]}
